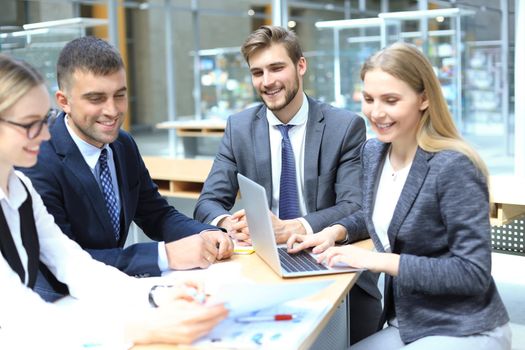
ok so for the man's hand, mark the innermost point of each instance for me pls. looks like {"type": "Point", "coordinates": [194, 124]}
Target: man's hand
{"type": "Point", "coordinates": [199, 250]}
{"type": "Point", "coordinates": [283, 229]}
{"type": "Point", "coordinates": [220, 240]}
{"type": "Point", "coordinates": [237, 227]}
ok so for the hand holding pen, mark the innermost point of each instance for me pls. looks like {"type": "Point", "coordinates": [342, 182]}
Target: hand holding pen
{"type": "Point", "coordinates": [180, 314]}
{"type": "Point", "coordinates": [189, 291]}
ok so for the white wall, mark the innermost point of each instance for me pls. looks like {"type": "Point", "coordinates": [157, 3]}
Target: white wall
{"type": "Point", "coordinates": [519, 78]}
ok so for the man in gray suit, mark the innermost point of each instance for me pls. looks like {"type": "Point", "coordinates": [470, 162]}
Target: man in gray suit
{"type": "Point", "coordinates": [303, 152]}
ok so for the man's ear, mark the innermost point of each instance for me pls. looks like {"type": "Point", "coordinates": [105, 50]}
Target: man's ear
{"type": "Point", "coordinates": [62, 101]}
{"type": "Point", "coordinates": [302, 66]}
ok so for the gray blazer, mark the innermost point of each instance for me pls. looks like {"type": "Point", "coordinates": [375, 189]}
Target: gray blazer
{"type": "Point", "coordinates": [440, 228]}
{"type": "Point", "coordinates": [332, 167]}
{"type": "Point", "coordinates": [331, 161]}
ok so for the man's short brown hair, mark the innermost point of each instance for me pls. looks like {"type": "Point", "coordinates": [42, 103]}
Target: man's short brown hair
{"type": "Point", "coordinates": [266, 36]}
{"type": "Point", "coordinates": [87, 54]}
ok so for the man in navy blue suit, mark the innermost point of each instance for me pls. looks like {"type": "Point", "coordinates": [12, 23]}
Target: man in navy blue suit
{"type": "Point", "coordinates": [94, 200]}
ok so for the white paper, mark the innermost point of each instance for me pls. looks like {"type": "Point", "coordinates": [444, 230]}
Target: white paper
{"type": "Point", "coordinates": [246, 297]}
{"type": "Point", "coordinates": [267, 335]}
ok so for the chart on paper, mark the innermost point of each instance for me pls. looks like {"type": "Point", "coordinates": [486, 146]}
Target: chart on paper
{"type": "Point", "coordinates": [261, 330]}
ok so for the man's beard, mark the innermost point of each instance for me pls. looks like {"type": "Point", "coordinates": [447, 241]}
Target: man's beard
{"type": "Point", "coordinates": [290, 95]}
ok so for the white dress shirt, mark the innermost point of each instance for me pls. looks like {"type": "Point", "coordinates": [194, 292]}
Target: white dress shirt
{"type": "Point", "coordinates": [91, 154]}
{"type": "Point", "coordinates": [108, 296]}
{"type": "Point", "coordinates": [389, 189]}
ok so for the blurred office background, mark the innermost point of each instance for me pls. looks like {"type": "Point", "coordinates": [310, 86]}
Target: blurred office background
{"type": "Point", "coordinates": [183, 57]}
{"type": "Point", "coordinates": [183, 63]}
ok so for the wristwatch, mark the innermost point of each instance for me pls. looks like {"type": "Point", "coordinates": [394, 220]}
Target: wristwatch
{"type": "Point", "coordinates": [159, 294]}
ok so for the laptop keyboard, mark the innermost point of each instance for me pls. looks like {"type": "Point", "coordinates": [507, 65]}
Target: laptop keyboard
{"type": "Point", "coordinates": [299, 262]}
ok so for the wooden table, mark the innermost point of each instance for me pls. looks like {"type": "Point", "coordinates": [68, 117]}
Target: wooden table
{"type": "Point", "coordinates": [178, 177]}
{"type": "Point", "coordinates": [253, 268]}
{"type": "Point", "coordinates": [508, 196]}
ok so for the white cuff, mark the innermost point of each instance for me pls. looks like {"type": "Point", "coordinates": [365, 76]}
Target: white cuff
{"type": "Point", "coordinates": [163, 258]}
{"type": "Point", "coordinates": [215, 222]}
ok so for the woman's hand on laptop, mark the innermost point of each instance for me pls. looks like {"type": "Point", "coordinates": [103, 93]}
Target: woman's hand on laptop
{"type": "Point", "coordinates": [319, 242]}
{"type": "Point", "coordinates": [361, 258]}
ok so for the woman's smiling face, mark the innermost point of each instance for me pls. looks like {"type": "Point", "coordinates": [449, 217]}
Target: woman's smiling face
{"type": "Point", "coordinates": [16, 149]}
{"type": "Point", "coordinates": [392, 107]}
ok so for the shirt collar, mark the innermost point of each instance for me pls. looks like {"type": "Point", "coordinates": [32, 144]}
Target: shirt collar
{"type": "Point", "coordinates": [17, 193]}
{"type": "Point", "coordinates": [298, 119]}
{"type": "Point", "coordinates": [88, 151]}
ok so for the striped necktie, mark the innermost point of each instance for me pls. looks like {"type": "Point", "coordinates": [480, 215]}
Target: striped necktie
{"type": "Point", "coordinates": [109, 193]}
{"type": "Point", "coordinates": [288, 197]}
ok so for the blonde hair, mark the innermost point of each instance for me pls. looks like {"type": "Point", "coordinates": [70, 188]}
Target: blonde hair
{"type": "Point", "coordinates": [436, 130]}
{"type": "Point", "coordinates": [16, 79]}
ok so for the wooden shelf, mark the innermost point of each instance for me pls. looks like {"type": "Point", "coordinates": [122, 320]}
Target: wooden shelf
{"type": "Point", "coordinates": [196, 128]}
{"type": "Point", "coordinates": [508, 196]}
{"type": "Point", "coordinates": [184, 178]}
{"type": "Point", "coordinates": [201, 132]}
{"type": "Point", "coordinates": [178, 177]}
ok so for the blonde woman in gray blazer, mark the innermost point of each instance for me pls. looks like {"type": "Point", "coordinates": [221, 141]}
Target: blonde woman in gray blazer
{"type": "Point", "coordinates": [426, 208]}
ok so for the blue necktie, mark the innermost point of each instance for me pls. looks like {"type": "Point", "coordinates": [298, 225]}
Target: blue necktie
{"type": "Point", "coordinates": [288, 197]}
{"type": "Point", "coordinates": [109, 193]}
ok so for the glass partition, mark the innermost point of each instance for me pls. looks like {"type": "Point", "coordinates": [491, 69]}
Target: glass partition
{"type": "Point", "coordinates": [439, 35]}
{"type": "Point", "coordinates": [40, 43]}
{"type": "Point", "coordinates": [183, 61]}
{"type": "Point", "coordinates": [349, 43]}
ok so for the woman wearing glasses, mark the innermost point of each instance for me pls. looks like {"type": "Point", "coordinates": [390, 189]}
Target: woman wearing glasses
{"type": "Point", "coordinates": [28, 235]}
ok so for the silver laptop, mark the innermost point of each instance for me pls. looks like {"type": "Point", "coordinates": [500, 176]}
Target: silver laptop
{"type": "Point", "coordinates": [263, 238]}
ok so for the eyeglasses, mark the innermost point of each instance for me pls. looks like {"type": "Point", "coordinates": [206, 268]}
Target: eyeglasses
{"type": "Point", "coordinates": [34, 129]}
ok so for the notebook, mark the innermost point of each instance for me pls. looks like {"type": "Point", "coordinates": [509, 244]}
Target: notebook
{"type": "Point", "coordinates": [263, 238]}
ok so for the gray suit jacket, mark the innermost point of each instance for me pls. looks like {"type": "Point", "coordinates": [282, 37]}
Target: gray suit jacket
{"type": "Point", "coordinates": [332, 167]}
{"type": "Point", "coordinates": [441, 229]}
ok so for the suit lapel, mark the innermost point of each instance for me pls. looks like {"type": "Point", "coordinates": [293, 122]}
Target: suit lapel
{"type": "Point", "coordinates": [373, 160]}
{"type": "Point", "coordinates": [118, 157]}
{"type": "Point", "coordinates": [416, 177]}
{"type": "Point", "coordinates": [314, 135]}
{"type": "Point", "coordinates": [78, 168]}
{"type": "Point", "coordinates": [261, 146]}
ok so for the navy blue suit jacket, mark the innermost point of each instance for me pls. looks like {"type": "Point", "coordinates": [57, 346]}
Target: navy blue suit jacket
{"type": "Point", "coordinates": [72, 195]}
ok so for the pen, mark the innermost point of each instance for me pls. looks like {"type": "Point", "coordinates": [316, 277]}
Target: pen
{"type": "Point", "coordinates": [278, 317]}
{"type": "Point", "coordinates": [199, 297]}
